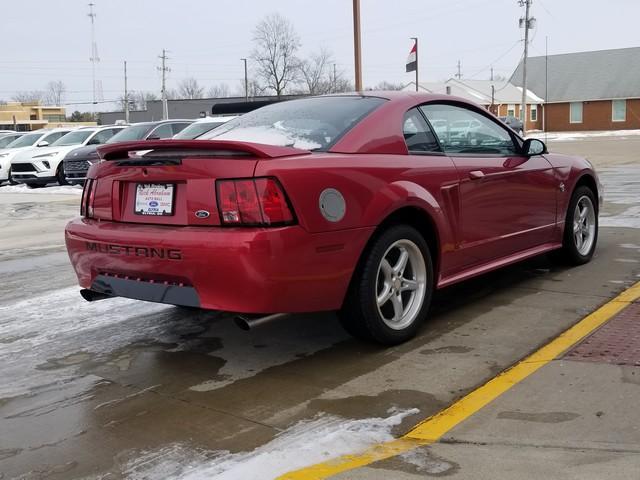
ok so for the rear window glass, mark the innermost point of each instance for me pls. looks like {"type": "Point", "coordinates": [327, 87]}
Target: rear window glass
{"type": "Point", "coordinates": [310, 124]}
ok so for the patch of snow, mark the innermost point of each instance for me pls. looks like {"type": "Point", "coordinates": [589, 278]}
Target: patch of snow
{"type": "Point", "coordinates": [269, 136]}
{"type": "Point", "coordinates": [37, 335]}
{"type": "Point", "coordinates": [427, 463]}
{"type": "Point", "coordinates": [572, 136]}
{"type": "Point", "coordinates": [58, 190]}
{"type": "Point", "coordinates": [306, 443]}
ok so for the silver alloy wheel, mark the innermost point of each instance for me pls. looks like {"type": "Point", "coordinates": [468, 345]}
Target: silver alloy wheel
{"type": "Point", "coordinates": [584, 225]}
{"type": "Point", "coordinates": [401, 284]}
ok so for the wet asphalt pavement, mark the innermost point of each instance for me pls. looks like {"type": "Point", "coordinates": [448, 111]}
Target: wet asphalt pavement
{"type": "Point", "coordinates": [127, 389]}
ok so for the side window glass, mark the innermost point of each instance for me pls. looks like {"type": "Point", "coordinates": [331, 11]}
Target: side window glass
{"type": "Point", "coordinates": [178, 127]}
{"type": "Point", "coordinates": [163, 131]}
{"type": "Point", "coordinates": [53, 137]}
{"type": "Point", "coordinates": [461, 130]}
{"type": "Point", "coordinates": [417, 134]}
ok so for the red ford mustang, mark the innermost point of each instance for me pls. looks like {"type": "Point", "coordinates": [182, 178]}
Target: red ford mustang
{"type": "Point", "coordinates": [361, 203]}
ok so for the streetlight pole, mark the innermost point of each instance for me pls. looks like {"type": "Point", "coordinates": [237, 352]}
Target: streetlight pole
{"type": "Point", "coordinates": [527, 24]}
{"type": "Point", "coordinates": [246, 80]}
{"type": "Point", "coordinates": [356, 44]}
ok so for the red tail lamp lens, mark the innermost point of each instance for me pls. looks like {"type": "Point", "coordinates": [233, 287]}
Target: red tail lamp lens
{"type": "Point", "coordinates": [259, 201]}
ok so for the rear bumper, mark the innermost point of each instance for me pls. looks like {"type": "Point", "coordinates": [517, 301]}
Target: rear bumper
{"type": "Point", "coordinates": [230, 269]}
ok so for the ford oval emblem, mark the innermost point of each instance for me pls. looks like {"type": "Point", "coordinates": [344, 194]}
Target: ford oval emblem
{"type": "Point", "coordinates": [153, 203]}
{"type": "Point", "coordinates": [202, 214]}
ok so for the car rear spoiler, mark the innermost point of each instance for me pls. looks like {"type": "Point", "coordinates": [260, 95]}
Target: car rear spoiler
{"type": "Point", "coordinates": [120, 151]}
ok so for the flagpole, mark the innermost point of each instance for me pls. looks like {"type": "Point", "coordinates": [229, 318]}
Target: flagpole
{"type": "Point", "coordinates": [416, 39]}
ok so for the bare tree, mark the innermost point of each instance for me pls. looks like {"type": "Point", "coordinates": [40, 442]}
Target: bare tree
{"type": "Point", "coordinates": [33, 96]}
{"type": "Point", "coordinates": [55, 93]}
{"type": "Point", "coordinates": [141, 98]}
{"type": "Point", "coordinates": [219, 91]}
{"type": "Point", "coordinates": [276, 45]}
{"type": "Point", "coordinates": [190, 88]}
{"type": "Point", "coordinates": [315, 73]}
{"type": "Point", "coordinates": [384, 85]}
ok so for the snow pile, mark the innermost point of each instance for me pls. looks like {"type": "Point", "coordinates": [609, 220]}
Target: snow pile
{"type": "Point", "coordinates": [58, 190]}
{"type": "Point", "coordinates": [306, 443]}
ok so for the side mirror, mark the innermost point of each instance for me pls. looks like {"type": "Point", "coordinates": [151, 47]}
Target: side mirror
{"type": "Point", "coordinates": [43, 143]}
{"type": "Point", "coordinates": [153, 137]}
{"type": "Point", "coordinates": [533, 146]}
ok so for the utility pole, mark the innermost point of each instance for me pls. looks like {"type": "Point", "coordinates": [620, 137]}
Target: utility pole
{"type": "Point", "coordinates": [126, 95]}
{"type": "Point", "coordinates": [417, 61]}
{"type": "Point", "coordinates": [246, 80]}
{"type": "Point", "coordinates": [527, 22]}
{"type": "Point", "coordinates": [492, 74]}
{"type": "Point", "coordinates": [335, 79]}
{"type": "Point", "coordinates": [459, 74]}
{"type": "Point", "coordinates": [357, 53]}
{"type": "Point", "coordinates": [164, 69]}
{"type": "Point", "coordinates": [94, 52]}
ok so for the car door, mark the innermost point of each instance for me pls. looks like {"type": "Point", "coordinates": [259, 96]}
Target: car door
{"type": "Point", "coordinates": [508, 200]}
{"type": "Point", "coordinates": [433, 170]}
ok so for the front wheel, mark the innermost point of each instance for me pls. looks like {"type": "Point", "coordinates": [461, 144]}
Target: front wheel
{"type": "Point", "coordinates": [580, 228]}
{"type": "Point", "coordinates": [11, 180]}
{"type": "Point", "coordinates": [391, 290]}
{"type": "Point", "coordinates": [60, 175]}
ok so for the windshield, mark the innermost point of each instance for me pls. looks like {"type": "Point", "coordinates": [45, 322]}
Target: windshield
{"type": "Point", "coordinates": [196, 129]}
{"type": "Point", "coordinates": [26, 140]}
{"type": "Point", "coordinates": [129, 134]}
{"type": "Point", "coordinates": [311, 123]}
{"type": "Point", "coordinates": [73, 138]}
{"type": "Point", "coordinates": [6, 140]}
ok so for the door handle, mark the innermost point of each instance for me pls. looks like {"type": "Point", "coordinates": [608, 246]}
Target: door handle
{"type": "Point", "coordinates": [476, 174]}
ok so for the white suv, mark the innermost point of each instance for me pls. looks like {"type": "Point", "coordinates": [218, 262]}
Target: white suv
{"type": "Point", "coordinates": [38, 166]}
{"type": "Point", "coordinates": [38, 138]}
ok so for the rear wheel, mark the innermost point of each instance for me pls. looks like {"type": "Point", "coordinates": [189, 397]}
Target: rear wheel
{"type": "Point", "coordinates": [580, 228]}
{"type": "Point", "coordinates": [391, 290]}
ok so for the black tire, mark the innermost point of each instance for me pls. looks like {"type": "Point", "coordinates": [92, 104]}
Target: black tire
{"type": "Point", "coordinates": [569, 253]}
{"type": "Point", "coordinates": [360, 315]}
{"type": "Point", "coordinates": [35, 185]}
{"type": "Point", "coordinates": [60, 175]}
{"type": "Point", "coordinates": [11, 180]}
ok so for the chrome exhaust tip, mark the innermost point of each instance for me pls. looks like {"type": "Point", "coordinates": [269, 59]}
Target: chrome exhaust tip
{"type": "Point", "coordinates": [246, 322]}
{"type": "Point", "coordinates": [92, 296]}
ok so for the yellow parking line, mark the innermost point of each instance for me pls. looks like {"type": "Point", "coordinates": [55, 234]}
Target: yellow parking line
{"type": "Point", "coordinates": [433, 428]}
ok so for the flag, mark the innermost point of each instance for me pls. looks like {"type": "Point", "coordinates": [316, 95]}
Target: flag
{"type": "Point", "coordinates": [412, 59]}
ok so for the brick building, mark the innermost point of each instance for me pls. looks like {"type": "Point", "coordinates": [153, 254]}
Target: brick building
{"type": "Point", "coordinates": [597, 90]}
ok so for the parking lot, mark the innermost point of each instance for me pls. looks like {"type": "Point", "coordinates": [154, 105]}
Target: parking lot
{"type": "Point", "coordinates": [127, 389]}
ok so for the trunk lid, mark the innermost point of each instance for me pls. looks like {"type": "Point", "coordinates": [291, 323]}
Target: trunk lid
{"type": "Point", "coordinates": [186, 168]}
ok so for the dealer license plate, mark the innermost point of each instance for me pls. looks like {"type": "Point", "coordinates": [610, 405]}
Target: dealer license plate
{"type": "Point", "coordinates": [154, 199]}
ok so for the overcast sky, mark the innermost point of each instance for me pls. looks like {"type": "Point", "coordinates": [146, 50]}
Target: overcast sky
{"type": "Point", "coordinates": [50, 39]}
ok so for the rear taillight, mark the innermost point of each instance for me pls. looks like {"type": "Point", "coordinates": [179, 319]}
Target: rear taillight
{"type": "Point", "coordinates": [253, 202]}
{"type": "Point", "coordinates": [88, 194]}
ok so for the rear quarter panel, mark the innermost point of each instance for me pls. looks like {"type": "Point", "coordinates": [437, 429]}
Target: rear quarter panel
{"type": "Point", "coordinates": [373, 186]}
